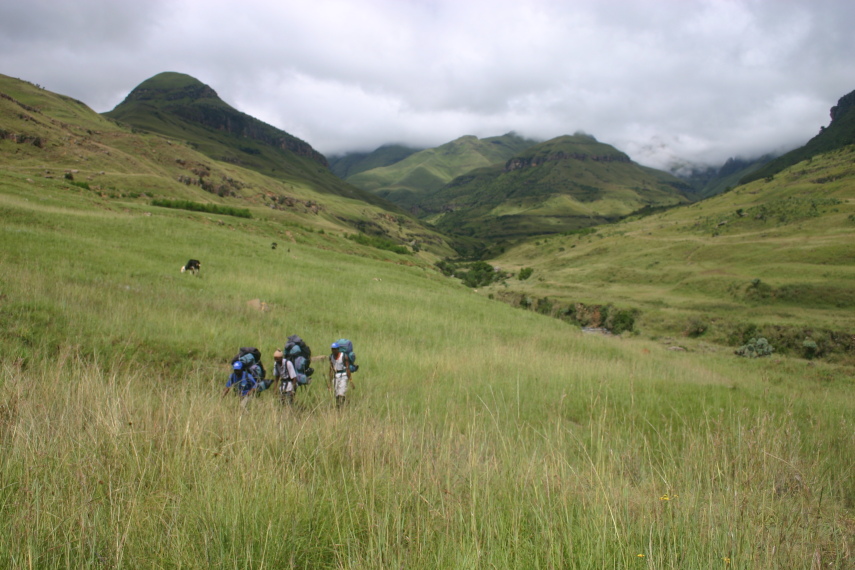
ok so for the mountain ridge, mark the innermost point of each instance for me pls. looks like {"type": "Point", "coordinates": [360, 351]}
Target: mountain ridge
{"type": "Point", "coordinates": [564, 184]}
{"type": "Point", "coordinates": [178, 105]}
{"type": "Point", "coordinates": [839, 133]}
{"type": "Point", "coordinates": [409, 180]}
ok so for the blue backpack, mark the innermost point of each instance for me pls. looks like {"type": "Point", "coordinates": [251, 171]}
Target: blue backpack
{"type": "Point", "coordinates": [300, 355]}
{"type": "Point", "coordinates": [346, 347]}
{"type": "Point", "coordinates": [251, 359]}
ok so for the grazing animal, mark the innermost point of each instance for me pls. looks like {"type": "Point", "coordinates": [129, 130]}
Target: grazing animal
{"type": "Point", "coordinates": [194, 266]}
{"type": "Point", "coordinates": [273, 245]}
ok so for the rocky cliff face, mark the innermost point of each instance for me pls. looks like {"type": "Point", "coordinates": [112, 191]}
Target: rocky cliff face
{"type": "Point", "coordinates": [518, 163]}
{"type": "Point", "coordinates": [844, 104]}
{"type": "Point", "coordinates": [243, 125]}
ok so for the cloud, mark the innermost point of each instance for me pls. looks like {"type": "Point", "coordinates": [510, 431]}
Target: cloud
{"type": "Point", "coordinates": [698, 80]}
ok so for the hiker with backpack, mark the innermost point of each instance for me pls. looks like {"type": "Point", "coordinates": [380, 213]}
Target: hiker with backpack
{"type": "Point", "coordinates": [342, 366]}
{"type": "Point", "coordinates": [294, 369]}
{"type": "Point", "coordinates": [241, 377]}
{"type": "Point", "coordinates": [284, 371]}
{"type": "Point", "coordinates": [248, 372]}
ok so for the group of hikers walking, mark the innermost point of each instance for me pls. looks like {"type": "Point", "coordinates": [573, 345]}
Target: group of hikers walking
{"type": "Point", "coordinates": [291, 369]}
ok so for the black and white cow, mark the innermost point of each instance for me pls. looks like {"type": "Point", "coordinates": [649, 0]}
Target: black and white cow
{"type": "Point", "coordinates": [194, 266]}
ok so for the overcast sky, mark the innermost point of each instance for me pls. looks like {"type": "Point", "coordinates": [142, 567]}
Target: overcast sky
{"type": "Point", "coordinates": [700, 80]}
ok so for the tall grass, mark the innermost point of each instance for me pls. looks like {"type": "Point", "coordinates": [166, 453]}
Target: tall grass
{"type": "Point", "coordinates": [115, 468]}
{"type": "Point", "coordinates": [476, 435]}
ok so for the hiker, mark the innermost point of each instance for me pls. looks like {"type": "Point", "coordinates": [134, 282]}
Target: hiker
{"type": "Point", "coordinates": [250, 358]}
{"type": "Point", "coordinates": [245, 382]}
{"type": "Point", "coordinates": [283, 370]}
{"type": "Point", "coordinates": [340, 375]}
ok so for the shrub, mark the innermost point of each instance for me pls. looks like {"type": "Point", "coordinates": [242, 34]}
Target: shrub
{"type": "Point", "coordinates": [480, 273]}
{"type": "Point", "coordinates": [525, 273]}
{"type": "Point", "coordinates": [619, 321]}
{"type": "Point", "coordinates": [446, 267]}
{"type": "Point", "coordinates": [756, 347]}
{"type": "Point", "coordinates": [810, 348]}
{"type": "Point", "coordinates": [544, 306]}
{"type": "Point", "coordinates": [696, 327]}
{"type": "Point", "coordinates": [199, 207]}
{"type": "Point", "coordinates": [379, 243]}
{"type": "Point", "coordinates": [758, 290]}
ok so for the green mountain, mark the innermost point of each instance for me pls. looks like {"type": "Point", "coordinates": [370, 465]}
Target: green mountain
{"type": "Point", "coordinates": [408, 181]}
{"type": "Point", "coordinates": [47, 136]}
{"type": "Point", "coordinates": [560, 185]}
{"type": "Point", "coordinates": [839, 133]}
{"type": "Point", "coordinates": [179, 106]}
{"type": "Point", "coordinates": [353, 163]}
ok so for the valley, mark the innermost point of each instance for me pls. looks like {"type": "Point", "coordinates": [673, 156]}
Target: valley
{"type": "Point", "coordinates": [484, 427]}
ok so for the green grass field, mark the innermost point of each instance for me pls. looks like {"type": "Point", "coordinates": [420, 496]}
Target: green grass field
{"type": "Point", "coordinates": [477, 435]}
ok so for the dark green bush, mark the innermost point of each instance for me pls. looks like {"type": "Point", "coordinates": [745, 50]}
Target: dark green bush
{"type": "Point", "coordinates": [619, 321]}
{"type": "Point", "coordinates": [810, 348]}
{"type": "Point", "coordinates": [544, 306]}
{"type": "Point", "coordinates": [525, 273]}
{"type": "Point", "coordinates": [446, 267]}
{"type": "Point", "coordinates": [480, 274]}
{"type": "Point", "coordinates": [199, 207]}
{"type": "Point", "coordinates": [379, 243]}
{"type": "Point", "coordinates": [696, 327]}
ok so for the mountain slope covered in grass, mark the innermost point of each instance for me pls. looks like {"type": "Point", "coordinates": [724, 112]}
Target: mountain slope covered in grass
{"type": "Point", "coordinates": [180, 106]}
{"type": "Point", "coordinates": [410, 181]}
{"type": "Point", "coordinates": [561, 185]}
{"type": "Point", "coordinates": [353, 163]}
{"type": "Point", "coordinates": [772, 259]}
{"type": "Point", "coordinates": [46, 135]}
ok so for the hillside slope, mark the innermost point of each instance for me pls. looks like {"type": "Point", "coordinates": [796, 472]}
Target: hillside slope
{"type": "Point", "coordinates": [47, 135]}
{"type": "Point", "coordinates": [180, 106]}
{"type": "Point", "coordinates": [771, 258]}
{"type": "Point", "coordinates": [561, 185]}
{"type": "Point", "coordinates": [410, 181]}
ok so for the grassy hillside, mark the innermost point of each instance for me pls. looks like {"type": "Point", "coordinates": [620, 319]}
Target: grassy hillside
{"type": "Point", "coordinates": [768, 258]}
{"type": "Point", "coordinates": [181, 107]}
{"type": "Point", "coordinates": [48, 136]}
{"type": "Point", "coordinates": [410, 181]}
{"type": "Point", "coordinates": [477, 435]}
{"type": "Point", "coordinates": [564, 184]}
